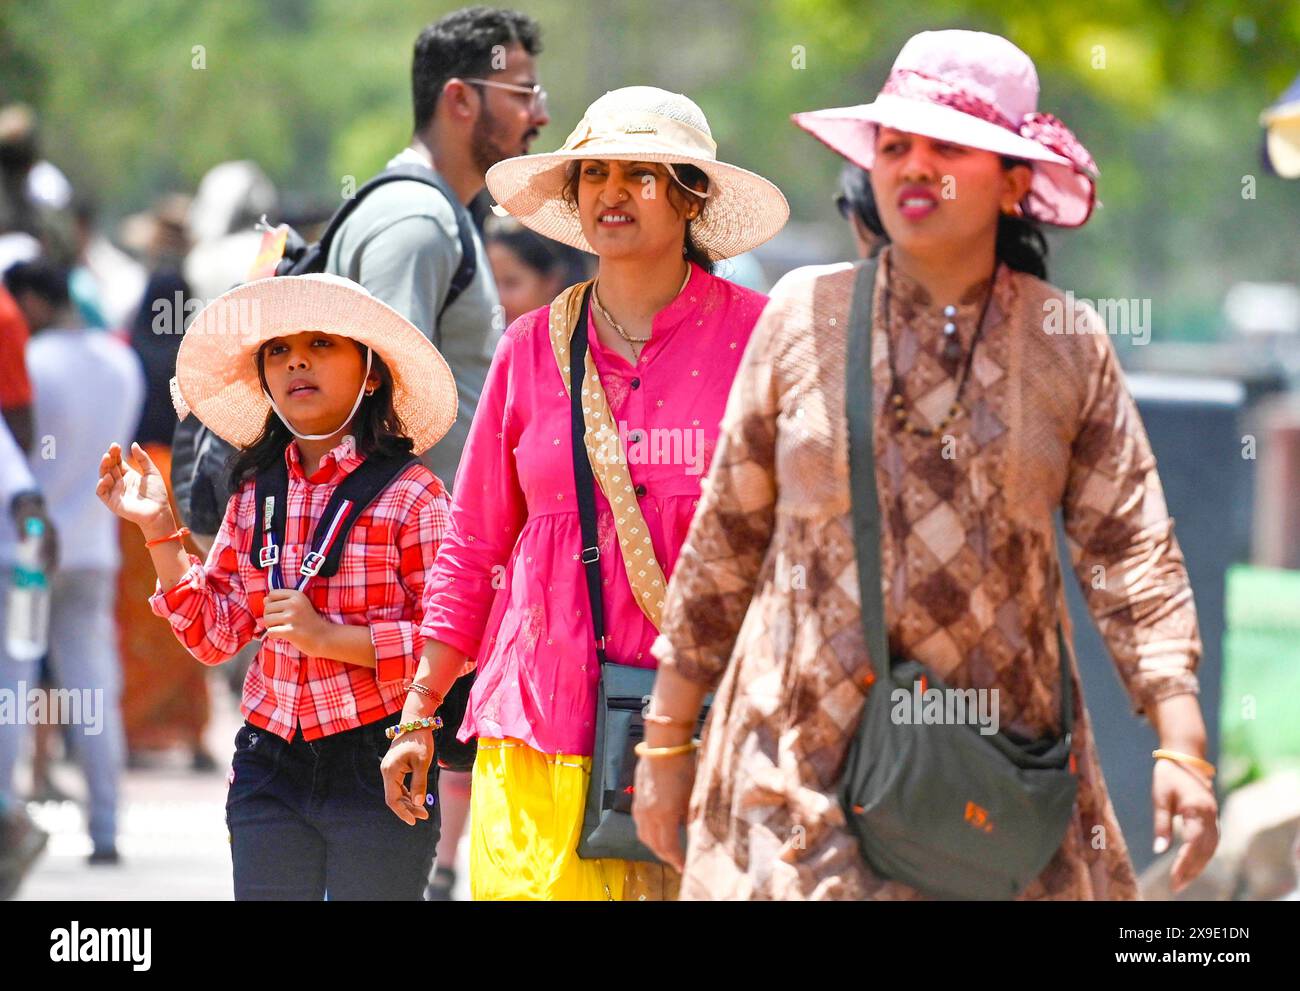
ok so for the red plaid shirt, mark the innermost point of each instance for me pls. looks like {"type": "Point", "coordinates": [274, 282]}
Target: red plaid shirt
{"type": "Point", "coordinates": [216, 608]}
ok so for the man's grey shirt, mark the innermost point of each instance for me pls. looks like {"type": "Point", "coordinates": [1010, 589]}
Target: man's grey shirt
{"type": "Point", "coordinates": [403, 245]}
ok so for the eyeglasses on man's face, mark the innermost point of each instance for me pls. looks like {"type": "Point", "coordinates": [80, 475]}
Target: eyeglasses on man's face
{"type": "Point", "coordinates": [537, 95]}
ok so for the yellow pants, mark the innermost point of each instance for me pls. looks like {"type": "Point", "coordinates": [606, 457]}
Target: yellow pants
{"type": "Point", "coordinates": [525, 819]}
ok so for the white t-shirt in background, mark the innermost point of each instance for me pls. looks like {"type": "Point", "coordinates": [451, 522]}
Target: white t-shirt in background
{"type": "Point", "coordinates": [87, 391]}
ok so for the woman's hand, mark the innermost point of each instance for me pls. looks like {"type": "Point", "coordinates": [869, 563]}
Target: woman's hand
{"type": "Point", "coordinates": [660, 798]}
{"type": "Point", "coordinates": [137, 491]}
{"type": "Point", "coordinates": [411, 753]}
{"type": "Point", "coordinates": [289, 615]}
{"type": "Point", "coordinates": [1179, 791]}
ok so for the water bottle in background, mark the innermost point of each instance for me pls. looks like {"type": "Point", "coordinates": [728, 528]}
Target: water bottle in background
{"type": "Point", "coordinates": [27, 619]}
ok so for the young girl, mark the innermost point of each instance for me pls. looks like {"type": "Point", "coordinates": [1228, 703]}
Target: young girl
{"type": "Point", "coordinates": [312, 378]}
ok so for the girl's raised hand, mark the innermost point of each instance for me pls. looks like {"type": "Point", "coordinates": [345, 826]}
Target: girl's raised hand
{"type": "Point", "coordinates": [133, 490]}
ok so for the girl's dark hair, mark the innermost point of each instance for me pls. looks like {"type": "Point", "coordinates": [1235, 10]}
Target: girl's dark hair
{"type": "Point", "coordinates": [1020, 243]}
{"type": "Point", "coordinates": [688, 174]}
{"type": "Point", "coordinates": [377, 428]}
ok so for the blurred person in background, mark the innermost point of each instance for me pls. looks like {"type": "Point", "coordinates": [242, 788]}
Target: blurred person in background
{"type": "Point", "coordinates": [88, 388]}
{"type": "Point", "coordinates": [529, 269]}
{"type": "Point", "coordinates": [477, 100]}
{"type": "Point", "coordinates": [165, 697]}
{"type": "Point", "coordinates": [117, 279]}
{"type": "Point", "coordinates": [34, 194]}
{"type": "Point", "coordinates": [21, 840]}
{"type": "Point", "coordinates": [16, 408]}
{"type": "Point", "coordinates": [231, 198]}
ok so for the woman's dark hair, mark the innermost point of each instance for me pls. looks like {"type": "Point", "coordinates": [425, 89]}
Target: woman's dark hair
{"type": "Point", "coordinates": [855, 199]}
{"type": "Point", "coordinates": [464, 44]}
{"type": "Point", "coordinates": [377, 428]}
{"type": "Point", "coordinates": [1020, 243]}
{"type": "Point", "coordinates": [543, 255]}
{"type": "Point", "coordinates": [688, 174]}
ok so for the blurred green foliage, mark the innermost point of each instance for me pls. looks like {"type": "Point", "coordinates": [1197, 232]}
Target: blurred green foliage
{"type": "Point", "coordinates": [1165, 93]}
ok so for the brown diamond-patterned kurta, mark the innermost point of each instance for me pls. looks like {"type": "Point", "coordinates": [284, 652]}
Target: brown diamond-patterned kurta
{"type": "Point", "coordinates": [763, 603]}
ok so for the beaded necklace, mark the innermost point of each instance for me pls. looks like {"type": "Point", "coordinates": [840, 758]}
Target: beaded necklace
{"type": "Point", "coordinates": [952, 348]}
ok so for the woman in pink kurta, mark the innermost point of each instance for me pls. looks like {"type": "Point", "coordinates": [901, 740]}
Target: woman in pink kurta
{"type": "Point", "coordinates": [507, 587]}
{"type": "Point", "coordinates": [508, 590]}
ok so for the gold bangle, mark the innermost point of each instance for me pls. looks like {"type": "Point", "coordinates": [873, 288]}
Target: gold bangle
{"type": "Point", "coordinates": [1178, 757]}
{"type": "Point", "coordinates": [661, 720]}
{"type": "Point", "coordinates": [427, 692]}
{"type": "Point", "coordinates": [642, 750]}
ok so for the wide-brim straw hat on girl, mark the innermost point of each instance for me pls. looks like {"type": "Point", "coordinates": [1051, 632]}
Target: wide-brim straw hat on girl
{"type": "Point", "coordinates": [974, 89]}
{"type": "Point", "coordinates": [642, 124]}
{"type": "Point", "coordinates": [216, 366]}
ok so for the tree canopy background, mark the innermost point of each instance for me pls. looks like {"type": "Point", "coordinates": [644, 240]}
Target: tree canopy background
{"type": "Point", "coordinates": [1166, 95]}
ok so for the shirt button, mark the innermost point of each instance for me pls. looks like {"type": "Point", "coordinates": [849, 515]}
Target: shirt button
{"type": "Point", "coordinates": [636, 383]}
{"type": "Point", "coordinates": [640, 490]}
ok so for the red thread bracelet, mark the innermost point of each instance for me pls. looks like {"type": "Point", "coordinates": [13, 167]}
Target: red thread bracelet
{"type": "Point", "coordinates": [180, 534]}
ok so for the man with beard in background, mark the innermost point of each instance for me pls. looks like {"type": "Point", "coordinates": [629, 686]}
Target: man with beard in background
{"type": "Point", "coordinates": [476, 101]}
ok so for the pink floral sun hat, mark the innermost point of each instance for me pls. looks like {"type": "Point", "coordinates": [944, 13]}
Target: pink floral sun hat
{"type": "Point", "coordinates": [978, 90]}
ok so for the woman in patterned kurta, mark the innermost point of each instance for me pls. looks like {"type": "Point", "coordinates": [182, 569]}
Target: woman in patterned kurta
{"type": "Point", "coordinates": [764, 609]}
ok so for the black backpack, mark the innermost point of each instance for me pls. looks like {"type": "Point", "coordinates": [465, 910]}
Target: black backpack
{"type": "Point", "coordinates": [301, 258]}
{"type": "Point", "coordinates": [200, 459]}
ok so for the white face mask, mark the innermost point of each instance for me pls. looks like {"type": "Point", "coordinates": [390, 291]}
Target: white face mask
{"type": "Point", "coordinates": [346, 420]}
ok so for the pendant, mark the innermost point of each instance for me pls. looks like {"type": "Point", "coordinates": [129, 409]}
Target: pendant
{"type": "Point", "coordinates": [951, 343]}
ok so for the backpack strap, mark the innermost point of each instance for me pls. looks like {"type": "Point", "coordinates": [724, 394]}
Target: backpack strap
{"type": "Point", "coordinates": [271, 496]}
{"type": "Point", "coordinates": [348, 501]}
{"type": "Point", "coordinates": [410, 172]}
{"type": "Point", "coordinates": [357, 491]}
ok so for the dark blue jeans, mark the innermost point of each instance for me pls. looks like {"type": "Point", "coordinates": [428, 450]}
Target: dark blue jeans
{"type": "Point", "coordinates": [307, 820]}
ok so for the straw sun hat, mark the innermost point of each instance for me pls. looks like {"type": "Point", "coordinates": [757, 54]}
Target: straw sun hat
{"type": "Point", "coordinates": [216, 366]}
{"type": "Point", "coordinates": [642, 124]}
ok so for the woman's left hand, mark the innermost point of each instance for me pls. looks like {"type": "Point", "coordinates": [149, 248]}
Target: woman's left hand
{"type": "Point", "coordinates": [289, 615]}
{"type": "Point", "coordinates": [1179, 791]}
{"type": "Point", "coordinates": [660, 798]}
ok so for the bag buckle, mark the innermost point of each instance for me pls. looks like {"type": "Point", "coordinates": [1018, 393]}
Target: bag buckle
{"type": "Point", "coordinates": [594, 551]}
{"type": "Point", "coordinates": [268, 555]}
{"type": "Point", "coordinates": [312, 563]}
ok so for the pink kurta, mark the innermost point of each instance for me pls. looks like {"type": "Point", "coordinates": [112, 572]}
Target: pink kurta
{"type": "Point", "coordinates": [507, 587]}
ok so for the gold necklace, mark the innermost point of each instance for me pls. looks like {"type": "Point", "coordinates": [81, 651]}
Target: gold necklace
{"type": "Point", "coordinates": [618, 327]}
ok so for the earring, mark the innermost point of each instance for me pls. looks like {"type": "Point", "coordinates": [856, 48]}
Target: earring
{"type": "Point", "coordinates": [370, 392]}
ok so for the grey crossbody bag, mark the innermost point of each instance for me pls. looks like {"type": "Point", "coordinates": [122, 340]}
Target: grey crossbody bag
{"type": "Point", "coordinates": [938, 806]}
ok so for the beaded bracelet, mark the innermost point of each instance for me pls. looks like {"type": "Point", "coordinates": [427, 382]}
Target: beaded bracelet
{"type": "Point", "coordinates": [393, 732]}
